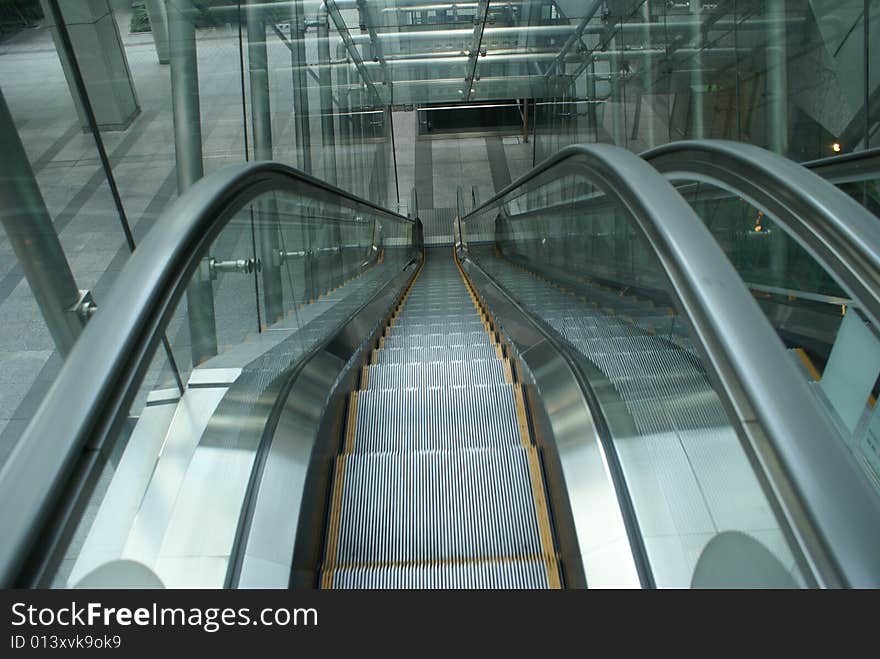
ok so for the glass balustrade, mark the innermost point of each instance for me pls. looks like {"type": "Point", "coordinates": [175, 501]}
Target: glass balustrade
{"type": "Point", "coordinates": [284, 275]}
{"type": "Point", "coordinates": [576, 260]}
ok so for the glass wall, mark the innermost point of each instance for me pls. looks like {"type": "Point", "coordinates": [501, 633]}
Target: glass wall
{"type": "Point", "coordinates": [576, 259]}
{"type": "Point", "coordinates": [173, 90]}
{"type": "Point", "coordinates": [298, 262]}
{"type": "Point", "coordinates": [797, 77]}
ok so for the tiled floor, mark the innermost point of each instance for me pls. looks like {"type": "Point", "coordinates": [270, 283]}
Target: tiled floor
{"type": "Point", "coordinates": [78, 197]}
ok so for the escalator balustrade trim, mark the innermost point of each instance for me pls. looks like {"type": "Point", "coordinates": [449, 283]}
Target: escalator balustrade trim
{"type": "Point", "coordinates": [535, 470]}
{"type": "Point", "coordinates": [439, 482]}
{"type": "Point", "coordinates": [332, 539]}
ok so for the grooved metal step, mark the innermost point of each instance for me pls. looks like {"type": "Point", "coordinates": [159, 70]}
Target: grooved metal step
{"type": "Point", "coordinates": [436, 419]}
{"type": "Point", "coordinates": [451, 340]}
{"type": "Point", "coordinates": [657, 374]}
{"type": "Point", "coordinates": [507, 574]}
{"type": "Point", "coordinates": [438, 327]}
{"type": "Point", "coordinates": [434, 354]}
{"type": "Point", "coordinates": [432, 506]}
{"type": "Point", "coordinates": [457, 373]}
{"type": "Point", "coordinates": [438, 483]}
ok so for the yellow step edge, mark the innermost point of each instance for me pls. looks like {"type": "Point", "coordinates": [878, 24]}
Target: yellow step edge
{"type": "Point", "coordinates": [808, 363]}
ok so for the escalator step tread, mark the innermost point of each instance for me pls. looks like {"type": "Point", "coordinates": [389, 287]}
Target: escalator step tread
{"type": "Point", "coordinates": [437, 374]}
{"type": "Point", "coordinates": [437, 505]}
{"type": "Point", "coordinates": [434, 354]}
{"type": "Point", "coordinates": [436, 483]}
{"type": "Point", "coordinates": [506, 574]}
{"type": "Point", "coordinates": [451, 339]}
{"type": "Point", "coordinates": [435, 419]}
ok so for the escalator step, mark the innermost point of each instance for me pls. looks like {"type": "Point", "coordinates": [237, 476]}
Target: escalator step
{"type": "Point", "coordinates": [435, 354]}
{"type": "Point", "coordinates": [439, 483]}
{"type": "Point", "coordinates": [437, 374]}
{"type": "Point", "coordinates": [404, 327]}
{"type": "Point", "coordinates": [433, 506]}
{"type": "Point", "coordinates": [449, 340]}
{"type": "Point", "coordinates": [508, 574]}
{"type": "Point", "coordinates": [435, 419]}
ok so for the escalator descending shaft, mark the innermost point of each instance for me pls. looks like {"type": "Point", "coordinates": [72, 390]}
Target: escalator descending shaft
{"type": "Point", "coordinates": [439, 482]}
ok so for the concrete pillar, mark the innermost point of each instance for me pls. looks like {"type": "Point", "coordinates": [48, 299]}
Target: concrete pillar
{"type": "Point", "coordinates": [186, 113]}
{"type": "Point", "coordinates": [159, 27]}
{"type": "Point", "coordinates": [101, 58]}
{"type": "Point", "coordinates": [32, 236]}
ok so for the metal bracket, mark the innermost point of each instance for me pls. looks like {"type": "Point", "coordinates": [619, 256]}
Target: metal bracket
{"type": "Point", "coordinates": [85, 306]}
{"type": "Point", "coordinates": [288, 256]}
{"type": "Point", "coordinates": [244, 266]}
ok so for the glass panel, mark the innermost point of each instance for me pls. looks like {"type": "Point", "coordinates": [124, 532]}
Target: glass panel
{"type": "Point", "coordinates": [168, 506]}
{"type": "Point", "coordinates": [62, 158]}
{"type": "Point", "coordinates": [766, 257]}
{"type": "Point", "coordinates": [852, 370]}
{"type": "Point", "coordinates": [867, 193]}
{"type": "Point", "coordinates": [869, 444]}
{"type": "Point", "coordinates": [815, 317]}
{"type": "Point", "coordinates": [745, 71]}
{"type": "Point", "coordinates": [102, 534]}
{"type": "Point", "coordinates": [576, 260]}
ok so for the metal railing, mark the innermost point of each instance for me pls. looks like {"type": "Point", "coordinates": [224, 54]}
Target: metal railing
{"type": "Point", "coordinates": [847, 168]}
{"type": "Point", "coordinates": [839, 233]}
{"type": "Point", "coordinates": [93, 392]}
{"type": "Point", "coordinates": [831, 512]}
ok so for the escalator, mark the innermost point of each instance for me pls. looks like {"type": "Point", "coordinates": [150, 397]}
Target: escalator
{"type": "Point", "coordinates": [581, 392]}
{"type": "Point", "coordinates": [438, 459]}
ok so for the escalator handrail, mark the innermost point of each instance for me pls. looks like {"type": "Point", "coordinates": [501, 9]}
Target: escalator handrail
{"type": "Point", "coordinates": [795, 445]}
{"type": "Point", "coordinates": [95, 387]}
{"type": "Point", "coordinates": [839, 170]}
{"type": "Point", "coordinates": [841, 234]}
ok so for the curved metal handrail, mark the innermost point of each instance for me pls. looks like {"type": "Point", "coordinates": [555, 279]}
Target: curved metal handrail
{"type": "Point", "coordinates": [99, 379]}
{"type": "Point", "coordinates": [795, 446]}
{"type": "Point", "coordinates": [837, 231]}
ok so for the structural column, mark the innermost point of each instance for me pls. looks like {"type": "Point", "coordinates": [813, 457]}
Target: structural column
{"type": "Point", "coordinates": [777, 78]}
{"type": "Point", "coordinates": [777, 115]}
{"type": "Point", "coordinates": [101, 57]}
{"type": "Point", "coordinates": [325, 80]}
{"type": "Point", "coordinates": [159, 27]}
{"type": "Point", "coordinates": [34, 240]}
{"type": "Point", "coordinates": [267, 207]}
{"type": "Point", "coordinates": [698, 119]}
{"type": "Point", "coordinates": [357, 141]}
{"type": "Point", "coordinates": [592, 102]}
{"type": "Point", "coordinates": [617, 99]}
{"type": "Point", "coordinates": [647, 79]}
{"type": "Point", "coordinates": [298, 65]}
{"type": "Point", "coordinates": [188, 154]}
{"type": "Point", "coordinates": [345, 131]}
